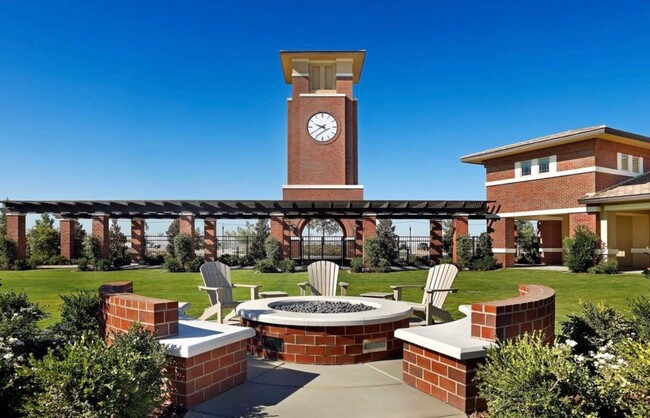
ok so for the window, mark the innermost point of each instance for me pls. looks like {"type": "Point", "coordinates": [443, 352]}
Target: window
{"type": "Point", "coordinates": [321, 77]}
{"type": "Point", "coordinates": [636, 166]}
{"type": "Point", "coordinates": [631, 163]}
{"type": "Point", "coordinates": [544, 165]}
{"type": "Point", "coordinates": [625, 161]}
{"type": "Point", "coordinates": [526, 168]}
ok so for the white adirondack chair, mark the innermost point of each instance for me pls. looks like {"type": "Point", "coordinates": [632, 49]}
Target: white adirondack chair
{"type": "Point", "coordinates": [218, 284]}
{"type": "Point", "coordinates": [323, 278]}
{"type": "Point", "coordinates": [438, 286]}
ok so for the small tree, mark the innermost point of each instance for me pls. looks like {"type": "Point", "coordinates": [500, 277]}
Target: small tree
{"type": "Point", "coordinates": [78, 239]}
{"type": "Point", "coordinates": [484, 246]}
{"type": "Point", "coordinates": [93, 249]}
{"type": "Point", "coordinates": [464, 244]}
{"type": "Point", "coordinates": [447, 236]}
{"type": "Point", "coordinates": [528, 243]}
{"type": "Point", "coordinates": [273, 250]}
{"type": "Point", "coordinates": [183, 249]}
{"type": "Point", "coordinates": [43, 240]}
{"type": "Point", "coordinates": [118, 251]}
{"type": "Point", "coordinates": [3, 225]}
{"type": "Point", "coordinates": [581, 250]}
{"type": "Point", "coordinates": [261, 232]}
{"type": "Point", "coordinates": [387, 239]}
{"type": "Point", "coordinates": [173, 230]}
{"type": "Point", "coordinates": [325, 226]}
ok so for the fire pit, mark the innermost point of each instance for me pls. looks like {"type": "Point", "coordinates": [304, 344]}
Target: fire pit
{"type": "Point", "coordinates": [325, 330]}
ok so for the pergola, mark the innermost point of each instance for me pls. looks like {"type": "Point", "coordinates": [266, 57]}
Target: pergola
{"type": "Point", "coordinates": [357, 217]}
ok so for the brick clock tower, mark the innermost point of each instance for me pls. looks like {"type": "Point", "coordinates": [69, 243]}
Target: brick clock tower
{"type": "Point", "coordinates": [322, 134]}
{"type": "Point", "coordinates": [322, 140]}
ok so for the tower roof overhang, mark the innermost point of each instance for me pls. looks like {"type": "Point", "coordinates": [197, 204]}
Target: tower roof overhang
{"type": "Point", "coordinates": [357, 57]}
{"type": "Point", "coordinates": [255, 209]}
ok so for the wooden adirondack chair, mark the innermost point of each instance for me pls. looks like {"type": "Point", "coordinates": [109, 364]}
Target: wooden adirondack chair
{"type": "Point", "coordinates": [218, 284]}
{"type": "Point", "coordinates": [439, 282]}
{"type": "Point", "coordinates": [323, 278]}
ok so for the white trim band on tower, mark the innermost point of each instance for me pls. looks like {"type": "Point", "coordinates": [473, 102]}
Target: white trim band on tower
{"type": "Point", "coordinates": [322, 94]}
{"type": "Point", "coordinates": [583, 170]}
{"type": "Point", "coordinates": [550, 250]}
{"type": "Point", "coordinates": [562, 211]}
{"type": "Point", "coordinates": [504, 250]}
{"type": "Point", "coordinates": [323, 186]}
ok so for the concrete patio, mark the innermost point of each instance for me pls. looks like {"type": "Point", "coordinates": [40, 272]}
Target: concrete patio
{"type": "Point", "coordinates": [277, 389]}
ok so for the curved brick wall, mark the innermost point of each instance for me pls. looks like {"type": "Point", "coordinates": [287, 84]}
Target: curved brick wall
{"type": "Point", "coordinates": [325, 345]}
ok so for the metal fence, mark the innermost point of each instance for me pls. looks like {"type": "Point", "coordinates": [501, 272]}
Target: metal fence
{"type": "Point", "coordinates": [322, 248]}
{"type": "Point", "coordinates": [409, 247]}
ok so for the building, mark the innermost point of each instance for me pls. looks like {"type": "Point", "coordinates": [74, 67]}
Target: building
{"type": "Point", "coordinates": [596, 176]}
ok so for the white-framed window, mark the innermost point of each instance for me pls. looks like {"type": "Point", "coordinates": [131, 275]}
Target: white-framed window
{"type": "Point", "coordinates": [630, 163]}
{"type": "Point", "coordinates": [322, 77]}
{"type": "Point", "coordinates": [536, 167]}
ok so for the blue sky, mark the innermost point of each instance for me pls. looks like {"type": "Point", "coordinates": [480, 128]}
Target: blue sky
{"type": "Point", "coordinates": [186, 100]}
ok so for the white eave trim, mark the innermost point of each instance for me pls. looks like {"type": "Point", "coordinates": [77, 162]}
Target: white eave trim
{"type": "Point", "coordinates": [322, 186]}
{"type": "Point", "coordinates": [562, 211]}
{"type": "Point", "coordinates": [322, 94]}
{"type": "Point", "coordinates": [583, 170]}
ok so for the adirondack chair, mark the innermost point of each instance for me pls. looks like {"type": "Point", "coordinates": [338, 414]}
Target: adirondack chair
{"type": "Point", "coordinates": [218, 284]}
{"type": "Point", "coordinates": [439, 282]}
{"type": "Point", "coordinates": [323, 278]}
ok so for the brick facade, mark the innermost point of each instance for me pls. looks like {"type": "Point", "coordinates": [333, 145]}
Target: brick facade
{"type": "Point", "coordinates": [590, 220]}
{"type": "Point", "coordinates": [550, 236]}
{"type": "Point", "coordinates": [503, 234]}
{"type": "Point", "coordinates": [461, 227]}
{"type": "Point", "coordinates": [137, 240]}
{"type": "Point", "coordinates": [66, 235]}
{"type": "Point", "coordinates": [210, 239]}
{"type": "Point", "coordinates": [322, 194]}
{"type": "Point", "coordinates": [435, 240]}
{"type": "Point", "coordinates": [100, 231]}
{"type": "Point", "coordinates": [186, 225]}
{"type": "Point", "coordinates": [325, 345]}
{"type": "Point", "coordinates": [16, 233]}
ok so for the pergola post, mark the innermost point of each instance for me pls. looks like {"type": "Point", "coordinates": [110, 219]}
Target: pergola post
{"type": "Point", "coordinates": [210, 239]}
{"type": "Point", "coordinates": [368, 229]}
{"type": "Point", "coordinates": [67, 229]}
{"type": "Point", "coordinates": [503, 241]}
{"type": "Point", "coordinates": [461, 227]}
{"type": "Point", "coordinates": [100, 231]}
{"type": "Point", "coordinates": [16, 233]}
{"type": "Point", "coordinates": [550, 241]}
{"type": "Point", "coordinates": [435, 241]}
{"type": "Point", "coordinates": [186, 226]}
{"type": "Point", "coordinates": [280, 230]}
{"type": "Point", "coordinates": [138, 242]}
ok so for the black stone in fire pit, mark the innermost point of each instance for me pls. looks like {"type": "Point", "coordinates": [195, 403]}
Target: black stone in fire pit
{"type": "Point", "coordinates": [325, 306]}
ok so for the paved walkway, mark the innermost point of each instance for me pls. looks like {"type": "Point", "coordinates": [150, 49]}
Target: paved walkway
{"type": "Point", "coordinates": [276, 389]}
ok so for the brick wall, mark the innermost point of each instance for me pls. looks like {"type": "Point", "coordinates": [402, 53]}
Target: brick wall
{"type": "Point", "coordinates": [199, 378]}
{"type": "Point", "coordinates": [322, 194]}
{"type": "Point", "coordinates": [100, 231]}
{"type": "Point", "coordinates": [16, 233]}
{"type": "Point", "coordinates": [66, 228]}
{"type": "Point", "coordinates": [534, 309]}
{"type": "Point", "coordinates": [450, 380]}
{"type": "Point", "coordinates": [590, 220]}
{"type": "Point", "coordinates": [137, 240]}
{"type": "Point", "coordinates": [210, 239]}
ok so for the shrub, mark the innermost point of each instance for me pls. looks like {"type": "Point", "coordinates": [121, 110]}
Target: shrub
{"type": "Point", "coordinates": [287, 266]}
{"type": "Point", "coordinates": [356, 264]}
{"type": "Point", "coordinates": [225, 259]}
{"type": "Point", "coordinates": [22, 265]}
{"type": "Point", "coordinates": [528, 243]}
{"type": "Point", "coordinates": [173, 230]}
{"type": "Point", "coordinates": [629, 378]}
{"type": "Point", "coordinates": [183, 249]}
{"type": "Point", "coordinates": [387, 239]}
{"type": "Point", "coordinates": [382, 266]}
{"type": "Point", "coordinates": [246, 260]}
{"type": "Point", "coordinates": [609, 266]}
{"type": "Point", "coordinates": [82, 264]}
{"type": "Point", "coordinates": [43, 239]}
{"type": "Point", "coordinates": [486, 263]}
{"type": "Point", "coordinates": [372, 251]}
{"type": "Point", "coordinates": [446, 260]}
{"type": "Point", "coordinates": [581, 250]}
{"type": "Point", "coordinates": [265, 266]}
{"type": "Point", "coordinates": [172, 265]}
{"type": "Point", "coordinates": [7, 253]}
{"type": "Point", "coordinates": [154, 259]}
{"type": "Point", "coordinates": [594, 326]}
{"type": "Point", "coordinates": [194, 265]}
{"type": "Point", "coordinates": [87, 378]}
{"type": "Point", "coordinates": [58, 260]}
{"type": "Point", "coordinates": [464, 245]}
{"type": "Point", "coordinates": [235, 260]}
{"type": "Point", "coordinates": [79, 313]}
{"type": "Point", "coordinates": [92, 249]}
{"type": "Point", "coordinates": [273, 250]}
{"type": "Point", "coordinates": [261, 232]}
{"type": "Point", "coordinates": [103, 265]}
{"type": "Point", "coordinates": [640, 309]}
{"type": "Point", "coordinates": [526, 378]}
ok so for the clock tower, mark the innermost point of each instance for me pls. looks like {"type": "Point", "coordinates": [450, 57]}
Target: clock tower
{"type": "Point", "coordinates": [322, 132]}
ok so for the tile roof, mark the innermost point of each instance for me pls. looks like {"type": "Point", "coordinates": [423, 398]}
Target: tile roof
{"type": "Point", "coordinates": [636, 188]}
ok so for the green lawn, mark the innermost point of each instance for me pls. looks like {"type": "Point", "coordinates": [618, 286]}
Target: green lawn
{"type": "Point", "coordinates": [45, 286]}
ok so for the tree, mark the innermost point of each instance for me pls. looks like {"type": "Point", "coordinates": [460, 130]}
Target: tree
{"type": "Point", "coordinates": [528, 243]}
{"type": "Point", "coordinates": [118, 251]}
{"type": "Point", "coordinates": [78, 240]}
{"type": "Point", "coordinates": [325, 226]}
{"type": "Point", "coordinates": [581, 250]}
{"type": "Point", "coordinates": [447, 236]}
{"type": "Point", "coordinates": [3, 225]}
{"type": "Point", "coordinates": [387, 240]}
{"type": "Point", "coordinates": [173, 230]}
{"type": "Point", "coordinates": [43, 240]}
{"type": "Point", "coordinates": [261, 232]}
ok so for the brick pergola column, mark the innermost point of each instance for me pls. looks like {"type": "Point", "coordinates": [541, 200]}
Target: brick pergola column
{"type": "Point", "coordinates": [358, 237]}
{"type": "Point", "coordinates": [186, 226]}
{"type": "Point", "coordinates": [16, 233]}
{"type": "Point", "coordinates": [503, 241]}
{"type": "Point", "coordinates": [138, 242]}
{"type": "Point", "coordinates": [461, 227]}
{"type": "Point", "coordinates": [369, 229]}
{"type": "Point", "coordinates": [550, 241]}
{"type": "Point", "coordinates": [590, 220]}
{"type": "Point", "coordinates": [100, 231]}
{"type": "Point", "coordinates": [435, 240]}
{"type": "Point", "coordinates": [66, 227]}
{"type": "Point", "coordinates": [280, 230]}
{"type": "Point", "coordinates": [210, 239]}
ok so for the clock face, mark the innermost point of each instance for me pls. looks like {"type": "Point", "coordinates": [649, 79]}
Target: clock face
{"type": "Point", "coordinates": [322, 127]}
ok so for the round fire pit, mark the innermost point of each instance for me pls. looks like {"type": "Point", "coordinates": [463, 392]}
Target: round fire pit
{"type": "Point", "coordinates": [325, 330]}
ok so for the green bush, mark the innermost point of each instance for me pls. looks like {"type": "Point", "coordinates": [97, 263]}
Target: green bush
{"type": "Point", "coordinates": [356, 264]}
{"type": "Point", "coordinates": [82, 264]}
{"type": "Point", "coordinates": [22, 265]}
{"type": "Point", "coordinates": [464, 251]}
{"type": "Point", "coordinates": [89, 379]}
{"type": "Point", "coordinates": [265, 266]}
{"type": "Point", "coordinates": [194, 265]}
{"type": "Point", "coordinates": [387, 240]}
{"type": "Point", "coordinates": [118, 251]}
{"type": "Point", "coordinates": [173, 265]}
{"type": "Point", "coordinates": [287, 266]}
{"type": "Point", "coordinates": [43, 240]}
{"type": "Point", "coordinates": [58, 260]}
{"type": "Point", "coordinates": [372, 252]}
{"type": "Point", "coordinates": [446, 260]}
{"type": "Point", "coordinates": [183, 248]}
{"type": "Point", "coordinates": [235, 260]}
{"type": "Point", "coordinates": [629, 378]}
{"type": "Point", "coordinates": [103, 265]}
{"type": "Point", "coordinates": [225, 259]}
{"type": "Point", "coordinates": [609, 266]}
{"type": "Point", "coordinates": [8, 252]}
{"type": "Point", "coordinates": [484, 264]}
{"type": "Point", "coordinates": [526, 378]}
{"type": "Point", "coordinates": [79, 314]}
{"type": "Point", "coordinates": [261, 232]}
{"type": "Point", "coordinates": [581, 250]}
{"type": "Point", "coordinates": [640, 309]}
{"type": "Point", "coordinates": [154, 259]}
{"type": "Point", "coordinates": [246, 260]}
{"type": "Point", "coordinates": [273, 250]}
{"type": "Point", "coordinates": [92, 249]}
{"type": "Point", "coordinates": [383, 266]}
